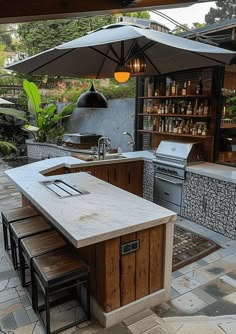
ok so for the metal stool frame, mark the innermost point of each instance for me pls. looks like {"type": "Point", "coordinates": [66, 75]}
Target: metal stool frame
{"type": "Point", "coordinates": [61, 283]}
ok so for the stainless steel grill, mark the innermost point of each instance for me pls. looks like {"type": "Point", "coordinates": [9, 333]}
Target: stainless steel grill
{"type": "Point", "coordinates": [172, 157]}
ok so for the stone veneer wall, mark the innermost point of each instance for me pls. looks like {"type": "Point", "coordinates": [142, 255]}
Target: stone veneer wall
{"type": "Point", "coordinates": [211, 203]}
{"type": "Point", "coordinates": [43, 151]}
{"type": "Point", "coordinates": [148, 180]}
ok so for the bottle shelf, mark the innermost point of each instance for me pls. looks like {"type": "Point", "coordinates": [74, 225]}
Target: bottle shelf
{"type": "Point", "coordinates": [174, 97]}
{"type": "Point", "coordinates": [177, 115]}
{"type": "Point", "coordinates": [175, 134]}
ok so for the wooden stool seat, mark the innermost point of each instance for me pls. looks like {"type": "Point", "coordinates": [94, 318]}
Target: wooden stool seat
{"type": "Point", "coordinates": [23, 229]}
{"type": "Point", "coordinates": [36, 245]}
{"type": "Point", "coordinates": [55, 273]}
{"type": "Point", "coordinates": [13, 215]}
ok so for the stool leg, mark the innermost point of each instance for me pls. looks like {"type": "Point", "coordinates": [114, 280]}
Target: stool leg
{"type": "Point", "coordinates": [22, 266]}
{"type": "Point", "coordinates": [5, 236]}
{"type": "Point", "coordinates": [47, 305]}
{"type": "Point", "coordinates": [13, 251]}
{"type": "Point", "coordinates": [34, 291]}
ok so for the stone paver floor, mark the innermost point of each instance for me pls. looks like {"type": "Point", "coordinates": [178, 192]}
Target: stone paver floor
{"type": "Point", "coordinates": [203, 294]}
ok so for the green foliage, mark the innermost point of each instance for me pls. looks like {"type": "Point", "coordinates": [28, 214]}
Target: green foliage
{"type": "Point", "coordinates": [39, 36]}
{"type": "Point", "coordinates": [231, 108]}
{"type": "Point", "coordinates": [46, 117]}
{"type": "Point", "coordinates": [6, 147]}
{"type": "Point", "coordinates": [111, 90]}
{"type": "Point", "coordinates": [225, 10]}
{"type": "Point", "coordinates": [140, 15]}
{"type": "Point", "coordinates": [19, 114]}
{"type": "Point", "coordinates": [6, 36]}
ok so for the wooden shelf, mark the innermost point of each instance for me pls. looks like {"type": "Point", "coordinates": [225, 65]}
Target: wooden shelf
{"type": "Point", "coordinates": [174, 97]}
{"type": "Point", "coordinates": [228, 127]}
{"type": "Point", "coordinates": [174, 134]}
{"type": "Point", "coordinates": [178, 115]}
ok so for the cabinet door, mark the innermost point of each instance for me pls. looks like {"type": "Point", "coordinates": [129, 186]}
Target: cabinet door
{"type": "Point", "coordinates": [130, 176]}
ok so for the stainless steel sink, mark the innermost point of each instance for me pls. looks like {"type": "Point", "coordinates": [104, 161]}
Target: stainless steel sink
{"type": "Point", "coordinates": [111, 157]}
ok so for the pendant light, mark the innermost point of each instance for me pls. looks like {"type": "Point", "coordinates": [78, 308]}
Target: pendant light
{"type": "Point", "coordinates": [92, 99]}
{"type": "Point", "coordinates": [122, 72]}
{"type": "Point", "coordinates": [137, 64]}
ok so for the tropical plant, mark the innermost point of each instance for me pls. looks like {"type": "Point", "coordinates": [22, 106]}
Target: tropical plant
{"type": "Point", "coordinates": [46, 118]}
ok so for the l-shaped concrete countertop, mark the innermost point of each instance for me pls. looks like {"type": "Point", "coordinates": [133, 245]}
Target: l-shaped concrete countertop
{"type": "Point", "coordinates": [106, 211]}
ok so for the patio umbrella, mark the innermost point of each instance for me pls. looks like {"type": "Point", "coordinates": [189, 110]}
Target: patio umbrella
{"type": "Point", "coordinates": [97, 54]}
{"type": "Point", "coordinates": [3, 101]}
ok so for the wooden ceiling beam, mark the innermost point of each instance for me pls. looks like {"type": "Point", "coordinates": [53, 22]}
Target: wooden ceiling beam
{"type": "Point", "coordinates": [14, 11]}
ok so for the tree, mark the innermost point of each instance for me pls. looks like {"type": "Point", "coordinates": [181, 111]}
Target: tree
{"type": "Point", "coordinates": [140, 15]}
{"type": "Point", "coordinates": [6, 36]}
{"type": "Point", "coordinates": [36, 37]}
{"type": "Point", "coordinates": [226, 10]}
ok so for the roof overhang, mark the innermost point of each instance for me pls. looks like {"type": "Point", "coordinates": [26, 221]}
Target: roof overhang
{"type": "Point", "coordinates": [13, 11]}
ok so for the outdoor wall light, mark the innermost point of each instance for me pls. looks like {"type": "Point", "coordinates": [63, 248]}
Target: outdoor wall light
{"type": "Point", "coordinates": [92, 99]}
{"type": "Point", "coordinates": [122, 73]}
{"type": "Point", "coordinates": [137, 64]}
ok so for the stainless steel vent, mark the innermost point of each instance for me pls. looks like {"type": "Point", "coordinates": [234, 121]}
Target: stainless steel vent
{"type": "Point", "coordinates": [62, 189]}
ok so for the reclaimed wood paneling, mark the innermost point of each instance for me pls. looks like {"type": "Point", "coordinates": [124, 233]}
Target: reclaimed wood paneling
{"type": "Point", "coordinates": [127, 272]}
{"type": "Point", "coordinates": [142, 265]}
{"type": "Point", "coordinates": [156, 258]}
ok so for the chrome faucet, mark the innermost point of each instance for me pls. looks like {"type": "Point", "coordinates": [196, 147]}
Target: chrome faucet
{"type": "Point", "coordinates": [104, 142]}
{"type": "Point", "coordinates": [131, 142]}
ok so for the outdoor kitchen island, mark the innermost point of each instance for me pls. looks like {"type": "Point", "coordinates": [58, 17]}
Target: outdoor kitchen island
{"type": "Point", "coordinates": [126, 240]}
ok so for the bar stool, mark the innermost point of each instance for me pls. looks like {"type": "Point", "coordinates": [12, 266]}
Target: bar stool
{"type": "Point", "coordinates": [12, 215]}
{"type": "Point", "coordinates": [55, 273]}
{"type": "Point", "coordinates": [36, 245]}
{"type": "Point", "coordinates": [22, 229]}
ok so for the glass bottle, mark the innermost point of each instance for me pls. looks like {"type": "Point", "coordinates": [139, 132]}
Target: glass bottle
{"type": "Point", "coordinates": [173, 88]}
{"type": "Point", "coordinates": [189, 87]}
{"type": "Point", "coordinates": [199, 87]}
{"type": "Point", "coordinates": [184, 89]}
{"type": "Point", "coordinates": [189, 109]}
{"type": "Point", "coordinates": [205, 109]}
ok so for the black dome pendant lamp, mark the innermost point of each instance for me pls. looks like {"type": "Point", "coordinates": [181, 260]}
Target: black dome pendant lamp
{"type": "Point", "coordinates": [92, 99]}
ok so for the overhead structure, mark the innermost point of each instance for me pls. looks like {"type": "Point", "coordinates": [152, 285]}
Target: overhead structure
{"type": "Point", "coordinates": [20, 11]}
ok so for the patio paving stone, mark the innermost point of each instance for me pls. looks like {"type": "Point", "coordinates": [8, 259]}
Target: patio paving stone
{"type": "Point", "coordinates": [231, 298]}
{"type": "Point", "coordinates": [220, 307]}
{"type": "Point", "coordinates": [189, 303]}
{"type": "Point", "coordinates": [7, 322]}
{"type": "Point", "coordinates": [21, 317]}
{"type": "Point", "coordinates": [203, 296]}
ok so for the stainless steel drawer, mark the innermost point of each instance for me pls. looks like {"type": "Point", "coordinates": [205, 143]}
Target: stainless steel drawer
{"type": "Point", "coordinates": [168, 188]}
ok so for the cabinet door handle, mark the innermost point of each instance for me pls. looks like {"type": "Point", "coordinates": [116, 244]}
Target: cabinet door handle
{"type": "Point", "coordinates": [173, 182]}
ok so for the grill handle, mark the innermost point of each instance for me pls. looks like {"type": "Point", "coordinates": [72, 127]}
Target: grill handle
{"type": "Point", "coordinates": [163, 179]}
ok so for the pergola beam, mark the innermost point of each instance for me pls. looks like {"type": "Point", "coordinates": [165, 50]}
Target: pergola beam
{"type": "Point", "coordinates": [14, 11]}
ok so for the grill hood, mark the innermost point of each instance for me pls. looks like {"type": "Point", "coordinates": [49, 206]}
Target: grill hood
{"type": "Point", "coordinates": [179, 152]}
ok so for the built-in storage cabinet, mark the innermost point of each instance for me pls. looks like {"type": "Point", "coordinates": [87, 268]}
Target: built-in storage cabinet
{"type": "Point", "coordinates": [210, 202]}
{"type": "Point", "coordinates": [178, 107]}
{"type": "Point", "coordinates": [126, 175]}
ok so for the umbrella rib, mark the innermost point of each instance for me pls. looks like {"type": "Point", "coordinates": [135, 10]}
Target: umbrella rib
{"type": "Point", "coordinates": [103, 54]}
{"type": "Point", "coordinates": [50, 61]}
{"type": "Point", "coordinates": [100, 69]}
{"type": "Point", "coordinates": [154, 66]}
{"type": "Point", "coordinates": [199, 54]}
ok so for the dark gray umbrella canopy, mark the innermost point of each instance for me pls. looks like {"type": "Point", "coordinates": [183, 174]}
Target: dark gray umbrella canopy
{"type": "Point", "coordinates": [96, 54]}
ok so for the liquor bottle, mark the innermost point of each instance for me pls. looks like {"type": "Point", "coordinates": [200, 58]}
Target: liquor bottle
{"type": "Point", "coordinates": [199, 87]}
{"type": "Point", "coordinates": [187, 128]}
{"type": "Point", "coordinates": [204, 131]}
{"type": "Point", "coordinates": [166, 125]}
{"type": "Point", "coordinates": [205, 109]}
{"type": "Point", "coordinates": [173, 88]}
{"type": "Point", "coordinates": [162, 125]}
{"type": "Point", "coordinates": [195, 109]}
{"type": "Point", "coordinates": [154, 128]}
{"type": "Point", "coordinates": [201, 108]}
{"type": "Point", "coordinates": [189, 109]}
{"type": "Point", "coordinates": [189, 87]}
{"type": "Point", "coordinates": [166, 107]}
{"type": "Point", "coordinates": [184, 89]}
{"type": "Point", "coordinates": [173, 108]}
{"type": "Point", "coordinates": [199, 130]}
{"type": "Point", "coordinates": [175, 130]}
{"type": "Point", "coordinates": [171, 126]}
